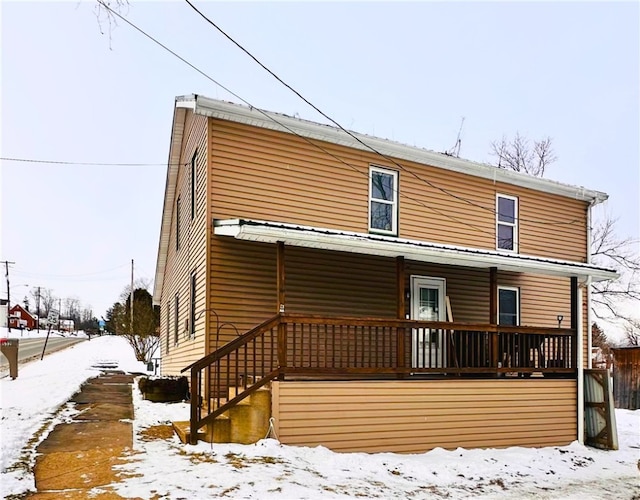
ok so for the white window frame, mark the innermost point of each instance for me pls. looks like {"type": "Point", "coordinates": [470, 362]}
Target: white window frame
{"type": "Point", "coordinates": [514, 224]}
{"type": "Point", "coordinates": [394, 203]}
{"type": "Point", "coordinates": [512, 289]}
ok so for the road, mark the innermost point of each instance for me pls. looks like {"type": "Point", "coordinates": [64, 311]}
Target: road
{"type": "Point", "coordinates": [32, 348]}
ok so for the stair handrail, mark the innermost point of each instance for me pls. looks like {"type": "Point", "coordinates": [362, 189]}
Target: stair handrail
{"type": "Point", "coordinates": [233, 345]}
{"type": "Point", "coordinates": [195, 420]}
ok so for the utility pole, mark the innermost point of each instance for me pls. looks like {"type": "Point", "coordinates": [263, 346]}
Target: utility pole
{"type": "Point", "coordinates": [6, 267]}
{"type": "Point", "coordinates": [131, 300]}
{"type": "Point", "coordinates": [38, 309]}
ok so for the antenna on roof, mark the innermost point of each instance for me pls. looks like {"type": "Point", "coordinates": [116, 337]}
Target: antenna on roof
{"type": "Point", "coordinates": [455, 150]}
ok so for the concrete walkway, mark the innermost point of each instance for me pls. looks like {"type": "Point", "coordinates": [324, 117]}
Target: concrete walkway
{"type": "Point", "coordinates": [79, 455]}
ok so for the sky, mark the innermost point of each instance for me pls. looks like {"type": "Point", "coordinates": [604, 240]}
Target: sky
{"type": "Point", "coordinates": [165, 468]}
{"type": "Point", "coordinates": [75, 91]}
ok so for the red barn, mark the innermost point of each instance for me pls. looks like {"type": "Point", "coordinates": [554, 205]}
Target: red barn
{"type": "Point", "coordinates": [19, 317]}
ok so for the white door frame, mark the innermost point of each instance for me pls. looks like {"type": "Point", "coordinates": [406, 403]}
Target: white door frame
{"type": "Point", "coordinates": [421, 337]}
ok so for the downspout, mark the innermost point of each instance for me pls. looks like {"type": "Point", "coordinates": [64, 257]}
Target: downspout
{"type": "Point", "coordinates": [588, 287]}
{"type": "Point", "coordinates": [580, 361]}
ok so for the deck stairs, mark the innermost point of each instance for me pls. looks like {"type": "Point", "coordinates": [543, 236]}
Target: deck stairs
{"type": "Point", "coordinates": [244, 423]}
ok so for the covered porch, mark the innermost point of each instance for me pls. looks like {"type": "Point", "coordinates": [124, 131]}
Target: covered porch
{"type": "Point", "coordinates": [421, 342]}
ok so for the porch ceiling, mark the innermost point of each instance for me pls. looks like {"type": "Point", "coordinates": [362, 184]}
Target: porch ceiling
{"type": "Point", "coordinates": [386, 246]}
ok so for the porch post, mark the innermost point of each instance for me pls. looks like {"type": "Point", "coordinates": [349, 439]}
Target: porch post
{"type": "Point", "coordinates": [280, 277]}
{"type": "Point", "coordinates": [400, 312]}
{"type": "Point", "coordinates": [282, 328]}
{"type": "Point", "coordinates": [493, 316]}
{"type": "Point", "coordinates": [493, 295]}
{"type": "Point", "coordinates": [575, 307]}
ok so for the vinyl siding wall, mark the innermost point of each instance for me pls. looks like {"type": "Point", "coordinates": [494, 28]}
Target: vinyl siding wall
{"type": "Point", "coordinates": [190, 257]}
{"type": "Point", "coordinates": [413, 417]}
{"type": "Point", "coordinates": [275, 176]}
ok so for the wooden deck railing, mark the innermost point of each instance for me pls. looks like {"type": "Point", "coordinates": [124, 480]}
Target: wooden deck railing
{"type": "Point", "coordinates": [296, 345]}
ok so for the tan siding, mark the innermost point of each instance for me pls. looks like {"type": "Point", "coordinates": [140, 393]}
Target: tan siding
{"type": "Point", "coordinates": [243, 287]}
{"type": "Point", "coordinates": [191, 257]}
{"type": "Point", "coordinates": [339, 283]}
{"type": "Point", "coordinates": [413, 417]}
{"type": "Point", "coordinates": [542, 298]}
{"type": "Point", "coordinates": [264, 174]}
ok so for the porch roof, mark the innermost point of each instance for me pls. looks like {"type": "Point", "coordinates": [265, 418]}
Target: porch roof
{"type": "Point", "coordinates": [388, 246]}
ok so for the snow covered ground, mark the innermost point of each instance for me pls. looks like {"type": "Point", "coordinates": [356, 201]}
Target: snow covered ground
{"type": "Point", "coordinates": [164, 468]}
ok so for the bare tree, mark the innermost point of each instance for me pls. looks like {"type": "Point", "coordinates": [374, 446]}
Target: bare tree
{"type": "Point", "coordinates": [72, 308]}
{"type": "Point", "coordinates": [104, 11]}
{"type": "Point", "coordinates": [609, 298]}
{"type": "Point", "coordinates": [632, 334]}
{"type": "Point", "coordinates": [47, 301]}
{"type": "Point", "coordinates": [518, 154]}
{"type": "Point", "coordinates": [608, 250]}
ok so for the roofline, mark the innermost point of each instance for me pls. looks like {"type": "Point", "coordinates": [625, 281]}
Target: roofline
{"type": "Point", "coordinates": [224, 110]}
{"type": "Point", "coordinates": [177, 131]}
{"type": "Point", "coordinates": [389, 246]}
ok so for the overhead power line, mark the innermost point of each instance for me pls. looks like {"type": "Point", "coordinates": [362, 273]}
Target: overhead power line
{"type": "Point", "coordinates": [282, 125]}
{"type": "Point", "coordinates": [312, 143]}
{"type": "Point", "coordinates": [355, 137]}
{"type": "Point", "coordinates": [87, 163]}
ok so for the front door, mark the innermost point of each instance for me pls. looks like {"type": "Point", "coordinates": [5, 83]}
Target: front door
{"type": "Point", "coordinates": [428, 348]}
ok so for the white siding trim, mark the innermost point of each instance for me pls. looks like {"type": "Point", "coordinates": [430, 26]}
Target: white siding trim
{"type": "Point", "coordinates": [388, 246]}
{"type": "Point", "coordinates": [258, 118]}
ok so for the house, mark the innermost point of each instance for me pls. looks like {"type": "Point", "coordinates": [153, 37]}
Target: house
{"type": "Point", "coordinates": [386, 297]}
{"type": "Point", "coordinates": [67, 325]}
{"type": "Point", "coordinates": [4, 305]}
{"type": "Point", "coordinates": [19, 317]}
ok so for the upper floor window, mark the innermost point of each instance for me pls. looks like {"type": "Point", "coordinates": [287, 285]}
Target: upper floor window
{"type": "Point", "coordinates": [506, 223]}
{"type": "Point", "coordinates": [383, 201]}
{"type": "Point", "coordinates": [193, 184]}
{"type": "Point", "coordinates": [178, 224]}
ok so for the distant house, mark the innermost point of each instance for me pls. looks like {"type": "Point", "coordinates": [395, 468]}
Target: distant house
{"type": "Point", "coordinates": [390, 298]}
{"type": "Point", "coordinates": [19, 317]}
{"type": "Point", "coordinates": [3, 313]}
{"type": "Point", "coordinates": [67, 325]}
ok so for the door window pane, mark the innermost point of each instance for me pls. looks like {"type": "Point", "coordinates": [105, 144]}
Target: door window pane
{"type": "Point", "coordinates": [428, 304]}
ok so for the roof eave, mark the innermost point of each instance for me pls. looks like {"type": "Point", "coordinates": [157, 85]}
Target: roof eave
{"type": "Point", "coordinates": [177, 131]}
{"type": "Point", "coordinates": [311, 130]}
{"type": "Point", "coordinates": [345, 241]}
